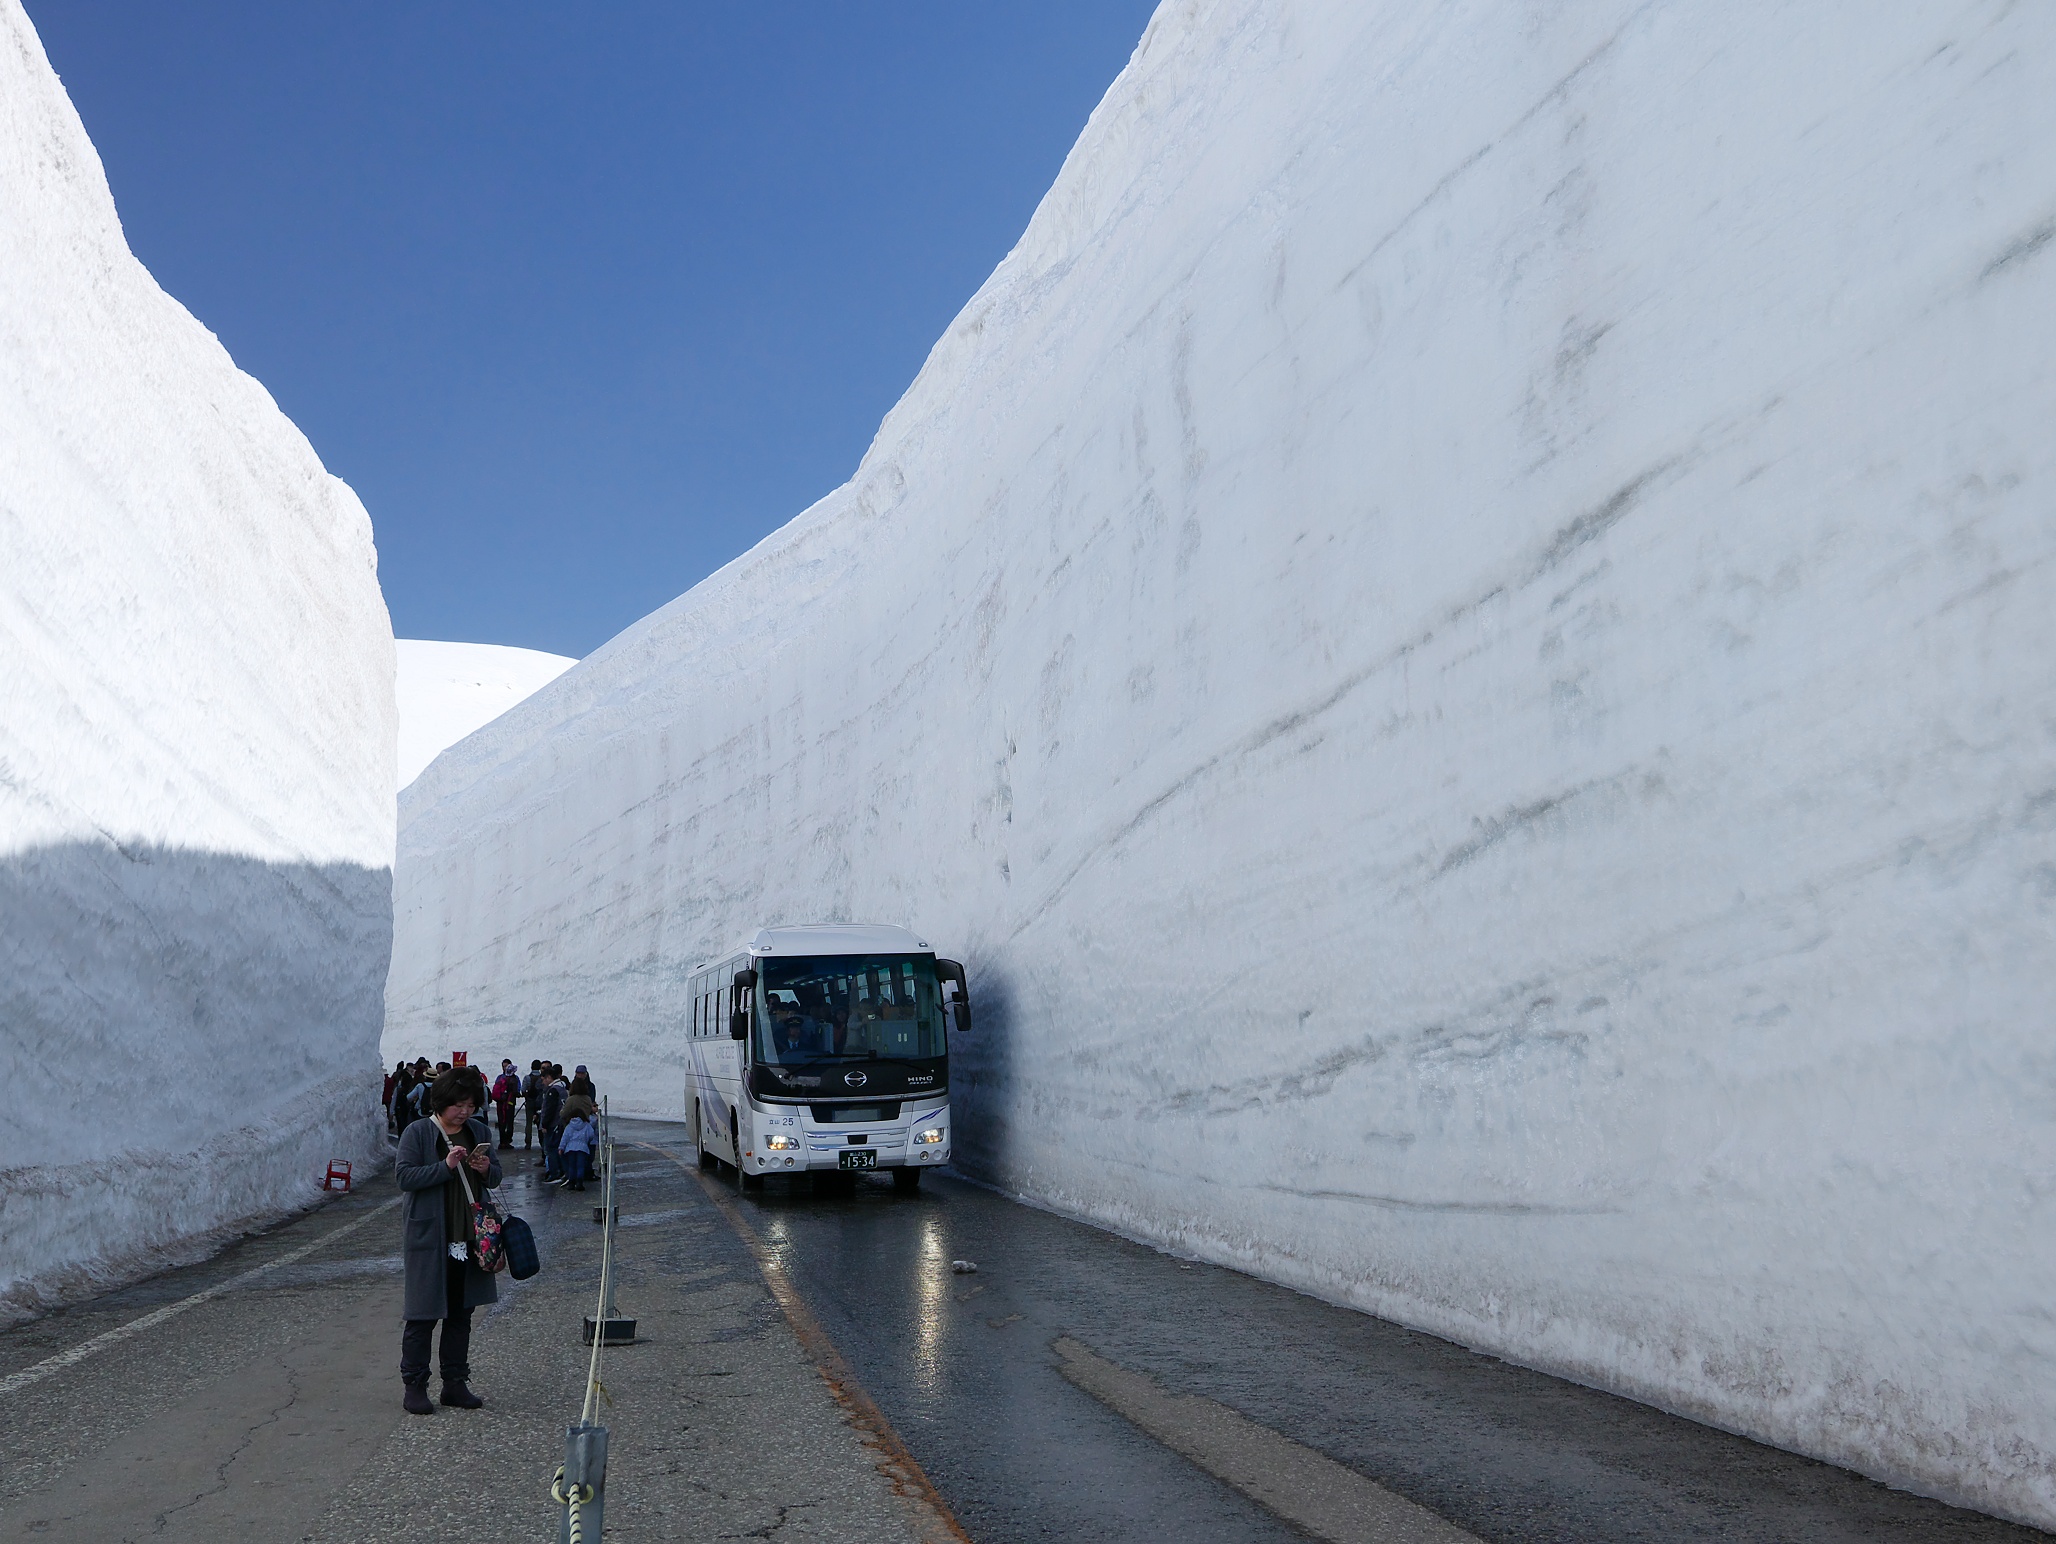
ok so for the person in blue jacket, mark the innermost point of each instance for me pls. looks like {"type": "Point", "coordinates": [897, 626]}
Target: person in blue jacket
{"type": "Point", "coordinates": [575, 1144]}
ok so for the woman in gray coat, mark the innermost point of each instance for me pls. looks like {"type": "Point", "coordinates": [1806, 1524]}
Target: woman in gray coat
{"type": "Point", "coordinates": [443, 1278]}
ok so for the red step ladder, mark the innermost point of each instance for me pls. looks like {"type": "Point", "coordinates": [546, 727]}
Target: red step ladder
{"type": "Point", "coordinates": [338, 1169]}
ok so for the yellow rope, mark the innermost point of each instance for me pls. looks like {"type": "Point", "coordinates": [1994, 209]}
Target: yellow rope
{"type": "Point", "coordinates": [579, 1495]}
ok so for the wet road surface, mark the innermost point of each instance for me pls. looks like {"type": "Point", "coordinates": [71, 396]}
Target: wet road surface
{"type": "Point", "coordinates": [972, 1370]}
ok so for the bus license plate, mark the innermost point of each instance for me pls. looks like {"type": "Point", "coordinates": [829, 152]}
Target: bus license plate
{"type": "Point", "coordinates": [857, 1160]}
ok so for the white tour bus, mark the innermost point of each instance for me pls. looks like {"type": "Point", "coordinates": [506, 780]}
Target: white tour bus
{"type": "Point", "coordinates": [822, 1049]}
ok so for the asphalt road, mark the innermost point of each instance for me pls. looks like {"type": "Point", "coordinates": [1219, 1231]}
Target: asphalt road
{"type": "Point", "coordinates": [269, 1412]}
{"type": "Point", "coordinates": [809, 1368]}
{"type": "Point", "coordinates": [980, 1375]}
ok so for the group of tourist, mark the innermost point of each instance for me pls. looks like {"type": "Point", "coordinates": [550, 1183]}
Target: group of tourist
{"type": "Point", "coordinates": [562, 1112]}
{"type": "Point", "coordinates": [445, 1161]}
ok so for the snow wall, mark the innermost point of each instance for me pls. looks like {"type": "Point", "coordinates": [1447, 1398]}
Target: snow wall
{"type": "Point", "coordinates": [1463, 639]}
{"type": "Point", "coordinates": [196, 755]}
{"type": "Point", "coordinates": [446, 691]}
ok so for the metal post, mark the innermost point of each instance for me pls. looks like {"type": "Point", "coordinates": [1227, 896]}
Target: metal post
{"type": "Point", "coordinates": [581, 1487]}
{"type": "Point", "coordinates": [610, 1327]}
{"type": "Point", "coordinates": [608, 1312]}
{"type": "Point", "coordinates": [603, 1160]}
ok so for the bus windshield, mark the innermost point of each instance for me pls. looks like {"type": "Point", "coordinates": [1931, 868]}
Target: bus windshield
{"type": "Point", "coordinates": [848, 1006]}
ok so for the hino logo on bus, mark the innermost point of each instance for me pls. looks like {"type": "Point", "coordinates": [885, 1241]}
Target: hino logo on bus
{"type": "Point", "coordinates": [855, 1079]}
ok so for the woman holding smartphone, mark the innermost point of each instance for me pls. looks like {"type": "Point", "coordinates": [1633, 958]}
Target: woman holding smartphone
{"type": "Point", "coordinates": [444, 1282]}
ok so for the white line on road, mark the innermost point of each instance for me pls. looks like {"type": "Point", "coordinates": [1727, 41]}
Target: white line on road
{"type": "Point", "coordinates": [100, 1342]}
{"type": "Point", "coordinates": [1308, 1489]}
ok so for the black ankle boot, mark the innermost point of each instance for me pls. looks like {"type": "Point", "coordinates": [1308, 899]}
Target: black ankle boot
{"type": "Point", "coordinates": [416, 1402]}
{"type": "Point", "coordinates": [458, 1397]}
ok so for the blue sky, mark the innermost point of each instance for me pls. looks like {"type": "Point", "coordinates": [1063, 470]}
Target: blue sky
{"type": "Point", "coordinates": [585, 300]}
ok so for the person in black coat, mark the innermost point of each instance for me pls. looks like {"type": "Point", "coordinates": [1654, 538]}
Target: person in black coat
{"type": "Point", "coordinates": [553, 1120]}
{"type": "Point", "coordinates": [443, 1279]}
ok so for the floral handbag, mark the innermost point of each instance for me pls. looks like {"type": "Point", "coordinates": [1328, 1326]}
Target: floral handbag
{"type": "Point", "coordinates": [488, 1250]}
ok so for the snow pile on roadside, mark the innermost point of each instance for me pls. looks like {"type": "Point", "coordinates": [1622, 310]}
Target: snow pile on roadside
{"type": "Point", "coordinates": [196, 754]}
{"type": "Point", "coordinates": [1462, 638]}
{"type": "Point", "coordinates": [448, 690]}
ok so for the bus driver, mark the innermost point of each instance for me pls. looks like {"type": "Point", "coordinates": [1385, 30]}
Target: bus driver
{"type": "Point", "coordinates": [794, 1034]}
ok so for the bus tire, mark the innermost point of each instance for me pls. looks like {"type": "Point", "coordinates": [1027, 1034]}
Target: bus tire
{"type": "Point", "coordinates": [750, 1181]}
{"type": "Point", "coordinates": [906, 1179]}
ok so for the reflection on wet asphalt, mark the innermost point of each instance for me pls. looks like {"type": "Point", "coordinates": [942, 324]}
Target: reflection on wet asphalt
{"type": "Point", "coordinates": [965, 1367]}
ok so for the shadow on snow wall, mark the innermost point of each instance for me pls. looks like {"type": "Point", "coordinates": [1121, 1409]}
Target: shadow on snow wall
{"type": "Point", "coordinates": [187, 1038]}
{"type": "Point", "coordinates": [981, 1075]}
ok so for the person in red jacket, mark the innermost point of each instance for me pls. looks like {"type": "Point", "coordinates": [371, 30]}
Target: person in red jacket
{"type": "Point", "coordinates": [506, 1094]}
{"type": "Point", "coordinates": [396, 1084]}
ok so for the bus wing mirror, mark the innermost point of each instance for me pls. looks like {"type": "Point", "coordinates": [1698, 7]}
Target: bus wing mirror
{"type": "Point", "coordinates": [738, 994]}
{"type": "Point", "coordinates": [953, 973]}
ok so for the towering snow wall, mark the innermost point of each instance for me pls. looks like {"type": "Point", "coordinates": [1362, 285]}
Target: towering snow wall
{"type": "Point", "coordinates": [196, 754]}
{"type": "Point", "coordinates": [1464, 640]}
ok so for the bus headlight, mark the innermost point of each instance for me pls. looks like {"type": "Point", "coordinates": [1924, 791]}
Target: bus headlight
{"type": "Point", "coordinates": [929, 1137]}
{"type": "Point", "coordinates": [780, 1141]}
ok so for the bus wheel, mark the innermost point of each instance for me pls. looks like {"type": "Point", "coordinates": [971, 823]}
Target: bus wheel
{"type": "Point", "coordinates": [699, 1138]}
{"type": "Point", "coordinates": [750, 1181]}
{"type": "Point", "coordinates": [906, 1179]}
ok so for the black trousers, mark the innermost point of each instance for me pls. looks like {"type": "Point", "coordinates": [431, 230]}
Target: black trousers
{"type": "Point", "coordinates": [456, 1359]}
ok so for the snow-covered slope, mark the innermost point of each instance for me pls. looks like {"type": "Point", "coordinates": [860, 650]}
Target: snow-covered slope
{"type": "Point", "coordinates": [447, 690]}
{"type": "Point", "coordinates": [1464, 639]}
{"type": "Point", "coordinates": [196, 753]}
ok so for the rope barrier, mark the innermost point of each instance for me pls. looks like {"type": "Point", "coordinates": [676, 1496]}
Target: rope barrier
{"type": "Point", "coordinates": [579, 1497]}
{"type": "Point", "coordinates": [580, 1482]}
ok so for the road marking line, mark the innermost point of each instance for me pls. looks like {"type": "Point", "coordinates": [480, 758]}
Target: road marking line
{"type": "Point", "coordinates": [36, 1372]}
{"type": "Point", "coordinates": [935, 1522]}
{"type": "Point", "coordinates": [1307, 1489]}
